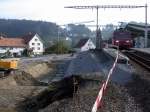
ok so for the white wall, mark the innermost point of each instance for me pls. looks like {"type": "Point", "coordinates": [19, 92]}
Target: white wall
{"type": "Point", "coordinates": [37, 45]}
{"type": "Point", "coordinates": [17, 50]}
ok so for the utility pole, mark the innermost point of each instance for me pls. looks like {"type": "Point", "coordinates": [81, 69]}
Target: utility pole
{"type": "Point", "coordinates": [98, 46]}
{"type": "Point", "coordinates": [98, 42]}
{"type": "Point", "coordinates": [58, 41]}
{"type": "Point", "coordinates": [146, 31]}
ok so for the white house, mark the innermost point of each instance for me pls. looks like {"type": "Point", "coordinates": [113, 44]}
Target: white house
{"type": "Point", "coordinates": [34, 42]}
{"type": "Point", "coordinates": [84, 45]}
{"type": "Point", "coordinates": [17, 45]}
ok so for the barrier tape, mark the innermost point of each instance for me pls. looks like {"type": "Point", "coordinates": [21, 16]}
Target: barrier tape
{"type": "Point", "coordinates": [98, 99]}
{"type": "Point", "coordinates": [104, 86]}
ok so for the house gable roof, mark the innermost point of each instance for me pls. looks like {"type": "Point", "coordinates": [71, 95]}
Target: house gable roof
{"type": "Point", "coordinates": [21, 41]}
{"type": "Point", "coordinates": [12, 42]}
{"type": "Point", "coordinates": [81, 42]}
{"type": "Point", "coordinates": [28, 37]}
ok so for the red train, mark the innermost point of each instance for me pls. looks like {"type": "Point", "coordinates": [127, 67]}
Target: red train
{"type": "Point", "coordinates": [122, 38]}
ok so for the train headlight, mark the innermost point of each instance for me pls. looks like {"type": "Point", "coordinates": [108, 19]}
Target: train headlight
{"type": "Point", "coordinates": [117, 41]}
{"type": "Point", "coordinates": [127, 41]}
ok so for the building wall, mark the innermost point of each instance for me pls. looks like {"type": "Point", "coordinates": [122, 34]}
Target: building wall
{"type": "Point", "coordinates": [37, 45]}
{"type": "Point", "coordinates": [17, 50]}
{"type": "Point", "coordinates": [89, 45]}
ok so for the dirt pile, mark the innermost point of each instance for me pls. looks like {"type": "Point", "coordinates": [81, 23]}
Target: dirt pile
{"type": "Point", "coordinates": [19, 78]}
{"type": "Point", "coordinates": [17, 87]}
{"type": "Point", "coordinates": [11, 96]}
{"type": "Point", "coordinates": [8, 82]}
{"type": "Point", "coordinates": [38, 70]}
{"type": "Point", "coordinates": [22, 84]}
{"type": "Point", "coordinates": [25, 79]}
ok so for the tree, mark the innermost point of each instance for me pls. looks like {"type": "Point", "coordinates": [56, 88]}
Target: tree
{"type": "Point", "coordinates": [60, 47]}
{"type": "Point", "coordinates": [8, 53]}
{"type": "Point", "coordinates": [107, 32]}
{"type": "Point", "coordinates": [78, 30]}
{"type": "Point", "coordinates": [27, 52]}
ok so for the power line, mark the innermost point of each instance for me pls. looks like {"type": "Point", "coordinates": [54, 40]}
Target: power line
{"type": "Point", "coordinates": [105, 6]}
{"type": "Point", "coordinates": [98, 42]}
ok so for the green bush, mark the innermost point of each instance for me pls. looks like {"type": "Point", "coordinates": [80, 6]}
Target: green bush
{"type": "Point", "coordinates": [60, 47]}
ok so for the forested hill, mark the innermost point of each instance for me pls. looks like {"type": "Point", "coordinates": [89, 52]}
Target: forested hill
{"type": "Point", "coordinates": [15, 28]}
{"type": "Point", "coordinates": [47, 30]}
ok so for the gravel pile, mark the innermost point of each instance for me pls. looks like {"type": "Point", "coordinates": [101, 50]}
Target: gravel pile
{"type": "Point", "coordinates": [86, 62]}
{"type": "Point", "coordinates": [116, 99]}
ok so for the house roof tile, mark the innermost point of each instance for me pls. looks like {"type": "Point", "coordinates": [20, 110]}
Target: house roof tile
{"type": "Point", "coordinates": [12, 42]}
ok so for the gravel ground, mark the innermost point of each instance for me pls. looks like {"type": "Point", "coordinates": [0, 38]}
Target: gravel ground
{"type": "Point", "coordinates": [115, 100]}
{"type": "Point", "coordinates": [139, 88]}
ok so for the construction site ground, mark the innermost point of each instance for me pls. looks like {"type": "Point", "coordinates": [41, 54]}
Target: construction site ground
{"type": "Point", "coordinates": [45, 84]}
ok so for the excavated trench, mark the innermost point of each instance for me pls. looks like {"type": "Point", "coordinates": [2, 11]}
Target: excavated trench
{"type": "Point", "coordinates": [56, 91]}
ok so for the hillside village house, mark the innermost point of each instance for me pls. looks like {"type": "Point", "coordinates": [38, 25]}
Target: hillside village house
{"type": "Point", "coordinates": [84, 45]}
{"type": "Point", "coordinates": [17, 45]}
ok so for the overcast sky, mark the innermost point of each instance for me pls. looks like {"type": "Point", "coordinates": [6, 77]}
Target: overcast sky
{"type": "Point", "coordinates": [54, 11]}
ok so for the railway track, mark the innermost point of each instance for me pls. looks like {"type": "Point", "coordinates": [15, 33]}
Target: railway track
{"type": "Point", "coordinates": [139, 58]}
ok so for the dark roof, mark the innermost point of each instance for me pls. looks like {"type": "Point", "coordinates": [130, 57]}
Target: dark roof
{"type": "Point", "coordinates": [137, 30]}
{"type": "Point", "coordinates": [81, 42]}
{"type": "Point", "coordinates": [141, 25]}
{"type": "Point", "coordinates": [28, 37]}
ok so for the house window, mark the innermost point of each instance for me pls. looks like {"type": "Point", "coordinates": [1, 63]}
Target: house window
{"type": "Point", "coordinates": [33, 43]}
{"type": "Point", "coordinates": [38, 48]}
{"type": "Point", "coordinates": [38, 43]}
{"type": "Point", "coordinates": [36, 39]}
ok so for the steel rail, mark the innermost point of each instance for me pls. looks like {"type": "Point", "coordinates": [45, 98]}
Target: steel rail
{"type": "Point", "coordinates": [139, 59]}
